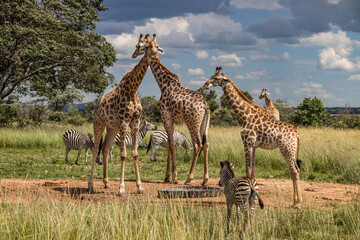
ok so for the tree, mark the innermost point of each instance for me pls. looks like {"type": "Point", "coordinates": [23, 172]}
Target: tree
{"type": "Point", "coordinates": [285, 110]}
{"type": "Point", "coordinates": [225, 103]}
{"type": "Point", "coordinates": [50, 44]}
{"type": "Point", "coordinates": [312, 113]}
{"type": "Point", "coordinates": [150, 110]}
{"type": "Point", "coordinates": [210, 96]}
{"type": "Point", "coordinates": [57, 99]}
{"type": "Point", "coordinates": [224, 117]}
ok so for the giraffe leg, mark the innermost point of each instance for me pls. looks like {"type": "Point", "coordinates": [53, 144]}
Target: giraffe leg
{"type": "Point", "coordinates": [196, 140]}
{"type": "Point", "coordinates": [249, 161]}
{"type": "Point", "coordinates": [123, 159]}
{"type": "Point", "coordinates": [169, 127]}
{"type": "Point", "coordinates": [98, 131]}
{"type": "Point", "coordinates": [134, 135]}
{"type": "Point", "coordinates": [295, 175]}
{"type": "Point", "coordinates": [109, 139]}
{"type": "Point", "coordinates": [206, 172]}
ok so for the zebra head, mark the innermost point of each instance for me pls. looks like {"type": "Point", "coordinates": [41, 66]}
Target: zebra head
{"type": "Point", "coordinates": [149, 126]}
{"type": "Point", "coordinates": [226, 172]}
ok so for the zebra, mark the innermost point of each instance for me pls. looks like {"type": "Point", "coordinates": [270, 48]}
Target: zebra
{"type": "Point", "coordinates": [241, 192]}
{"type": "Point", "coordinates": [144, 127]}
{"type": "Point", "coordinates": [77, 140]}
{"type": "Point", "coordinates": [160, 138]}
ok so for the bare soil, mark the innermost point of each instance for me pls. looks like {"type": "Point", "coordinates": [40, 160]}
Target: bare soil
{"type": "Point", "coordinates": [274, 192]}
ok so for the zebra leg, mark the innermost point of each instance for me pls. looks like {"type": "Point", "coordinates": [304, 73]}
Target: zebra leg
{"type": "Point", "coordinates": [242, 208]}
{"type": "Point", "coordinates": [229, 209]}
{"type": "Point", "coordinates": [86, 152]}
{"type": "Point", "coordinates": [67, 152]}
{"type": "Point", "coordinates": [252, 214]}
{"type": "Point", "coordinates": [153, 152]}
{"type": "Point", "coordinates": [134, 136]}
{"type": "Point", "coordinates": [98, 131]}
{"type": "Point", "coordinates": [79, 152]}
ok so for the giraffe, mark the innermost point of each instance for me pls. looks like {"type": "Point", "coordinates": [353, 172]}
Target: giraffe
{"type": "Point", "coordinates": [180, 104]}
{"type": "Point", "coordinates": [270, 108]}
{"type": "Point", "coordinates": [261, 130]}
{"type": "Point", "coordinates": [117, 111]}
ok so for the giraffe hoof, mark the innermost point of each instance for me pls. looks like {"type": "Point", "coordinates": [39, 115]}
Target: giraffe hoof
{"type": "Point", "coordinates": [90, 188]}
{"type": "Point", "coordinates": [187, 182]}
{"type": "Point", "coordinates": [141, 191]}
{"type": "Point", "coordinates": [167, 180]}
{"type": "Point", "coordinates": [174, 182]}
{"type": "Point", "coordinates": [121, 194]}
{"type": "Point", "coordinates": [204, 183]}
{"type": "Point", "coordinates": [295, 206]}
{"type": "Point", "coordinates": [108, 186]}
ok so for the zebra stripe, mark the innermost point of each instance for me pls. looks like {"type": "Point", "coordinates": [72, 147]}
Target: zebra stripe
{"type": "Point", "coordinates": [77, 140]}
{"type": "Point", "coordinates": [239, 191]}
{"type": "Point", "coordinates": [144, 127]}
{"type": "Point", "coordinates": [160, 138]}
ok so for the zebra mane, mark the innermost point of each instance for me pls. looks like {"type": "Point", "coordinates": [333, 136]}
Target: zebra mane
{"type": "Point", "coordinates": [228, 164]}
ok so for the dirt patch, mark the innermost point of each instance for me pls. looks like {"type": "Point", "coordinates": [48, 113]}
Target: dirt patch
{"type": "Point", "coordinates": [275, 193]}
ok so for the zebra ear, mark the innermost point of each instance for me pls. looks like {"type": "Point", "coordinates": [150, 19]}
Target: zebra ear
{"type": "Point", "coordinates": [232, 165]}
{"type": "Point", "coordinates": [221, 164]}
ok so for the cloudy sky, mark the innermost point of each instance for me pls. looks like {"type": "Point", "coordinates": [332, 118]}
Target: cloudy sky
{"type": "Point", "coordinates": [294, 49]}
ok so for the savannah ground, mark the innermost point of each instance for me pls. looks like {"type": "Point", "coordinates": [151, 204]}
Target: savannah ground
{"type": "Point", "coordinates": [44, 198]}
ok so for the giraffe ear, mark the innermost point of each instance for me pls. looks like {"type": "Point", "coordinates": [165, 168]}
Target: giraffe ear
{"type": "Point", "coordinates": [268, 94]}
{"type": "Point", "coordinates": [160, 50]}
{"type": "Point", "coordinates": [221, 164]}
{"type": "Point", "coordinates": [232, 165]}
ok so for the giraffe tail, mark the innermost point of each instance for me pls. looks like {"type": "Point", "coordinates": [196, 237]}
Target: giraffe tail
{"type": "Point", "coordinates": [254, 191]}
{"type": "Point", "coordinates": [204, 129]}
{"type": "Point", "coordinates": [298, 161]}
{"type": "Point", "coordinates": [98, 158]}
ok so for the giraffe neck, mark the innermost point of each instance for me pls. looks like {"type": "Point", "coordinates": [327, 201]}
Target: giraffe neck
{"type": "Point", "coordinates": [132, 79]}
{"type": "Point", "coordinates": [243, 107]}
{"type": "Point", "coordinates": [164, 77]}
{"type": "Point", "coordinates": [268, 102]}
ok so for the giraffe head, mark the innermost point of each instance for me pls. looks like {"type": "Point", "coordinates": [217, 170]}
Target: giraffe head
{"type": "Point", "coordinates": [218, 79]}
{"type": "Point", "coordinates": [263, 94]}
{"type": "Point", "coordinates": [148, 47]}
{"type": "Point", "coordinates": [139, 47]}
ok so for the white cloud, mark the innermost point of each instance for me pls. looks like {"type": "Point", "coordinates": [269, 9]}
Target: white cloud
{"type": "Point", "coordinates": [278, 91]}
{"type": "Point", "coordinates": [202, 54]}
{"type": "Point", "coordinates": [196, 71]}
{"type": "Point", "coordinates": [354, 77]}
{"type": "Point", "coordinates": [258, 4]}
{"type": "Point", "coordinates": [312, 89]}
{"type": "Point", "coordinates": [284, 56]}
{"type": "Point", "coordinates": [175, 66]}
{"type": "Point", "coordinates": [230, 60]}
{"type": "Point", "coordinates": [333, 1]}
{"type": "Point", "coordinates": [197, 82]}
{"type": "Point", "coordinates": [337, 52]}
{"type": "Point", "coordinates": [253, 75]}
{"type": "Point", "coordinates": [124, 44]}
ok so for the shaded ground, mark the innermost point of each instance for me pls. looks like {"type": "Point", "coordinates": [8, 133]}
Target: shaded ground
{"type": "Point", "coordinates": [274, 192]}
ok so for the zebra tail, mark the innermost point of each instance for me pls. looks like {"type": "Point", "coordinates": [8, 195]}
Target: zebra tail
{"type": "Point", "coordinates": [253, 191]}
{"type": "Point", "coordinates": [149, 144]}
{"type": "Point", "coordinates": [100, 145]}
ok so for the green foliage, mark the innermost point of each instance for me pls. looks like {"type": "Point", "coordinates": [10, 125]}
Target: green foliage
{"type": "Point", "coordinates": [150, 110]}
{"type": "Point", "coordinates": [89, 111]}
{"type": "Point", "coordinates": [75, 120]}
{"type": "Point", "coordinates": [347, 121]}
{"type": "Point", "coordinates": [311, 113]}
{"type": "Point", "coordinates": [224, 117]}
{"type": "Point", "coordinates": [285, 110]}
{"type": "Point", "coordinates": [48, 45]}
{"type": "Point", "coordinates": [56, 116]}
{"type": "Point", "coordinates": [58, 98]}
{"type": "Point", "coordinates": [210, 96]}
{"type": "Point", "coordinates": [8, 114]}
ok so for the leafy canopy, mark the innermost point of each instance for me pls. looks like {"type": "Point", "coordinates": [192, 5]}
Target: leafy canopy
{"type": "Point", "coordinates": [50, 44]}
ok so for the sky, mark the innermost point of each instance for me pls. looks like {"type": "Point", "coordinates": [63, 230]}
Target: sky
{"type": "Point", "coordinates": [295, 49]}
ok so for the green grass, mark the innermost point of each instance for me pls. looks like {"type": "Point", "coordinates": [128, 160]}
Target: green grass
{"type": "Point", "coordinates": [327, 155]}
{"type": "Point", "coordinates": [168, 220]}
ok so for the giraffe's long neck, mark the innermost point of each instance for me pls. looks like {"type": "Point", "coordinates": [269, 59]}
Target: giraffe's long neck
{"type": "Point", "coordinates": [164, 77]}
{"type": "Point", "coordinates": [132, 79]}
{"type": "Point", "coordinates": [243, 107]}
{"type": "Point", "coordinates": [268, 102]}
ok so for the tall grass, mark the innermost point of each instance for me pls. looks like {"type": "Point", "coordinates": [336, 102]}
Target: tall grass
{"type": "Point", "coordinates": [168, 220]}
{"type": "Point", "coordinates": [327, 154]}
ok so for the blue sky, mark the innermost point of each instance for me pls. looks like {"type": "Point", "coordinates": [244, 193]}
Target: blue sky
{"type": "Point", "coordinates": [294, 49]}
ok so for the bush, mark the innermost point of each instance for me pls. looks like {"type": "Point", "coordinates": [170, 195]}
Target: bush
{"type": "Point", "coordinates": [8, 114]}
{"type": "Point", "coordinates": [224, 117]}
{"type": "Point", "coordinates": [56, 116]}
{"type": "Point", "coordinates": [75, 120]}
